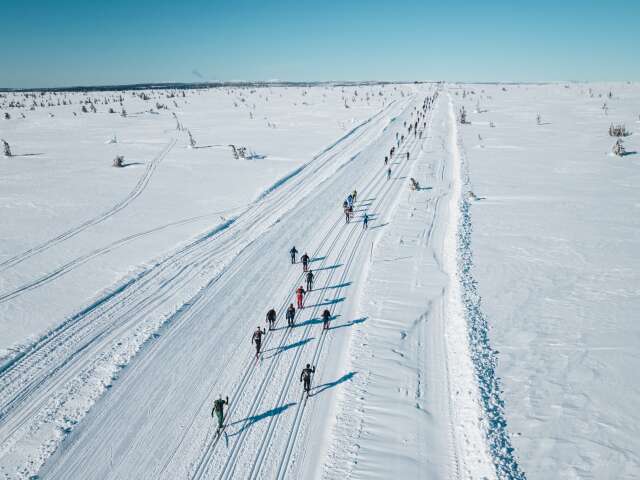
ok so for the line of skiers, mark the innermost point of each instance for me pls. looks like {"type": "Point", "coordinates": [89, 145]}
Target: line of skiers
{"type": "Point", "coordinates": [290, 314]}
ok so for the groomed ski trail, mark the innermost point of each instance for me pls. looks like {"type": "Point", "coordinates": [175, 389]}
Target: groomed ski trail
{"type": "Point", "coordinates": [186, 343]}
{"type": "Point", "coordinates": [44, 382]}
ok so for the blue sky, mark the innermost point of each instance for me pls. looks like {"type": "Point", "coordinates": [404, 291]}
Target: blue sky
{"type": "Point", "coordinates": [64, 43]}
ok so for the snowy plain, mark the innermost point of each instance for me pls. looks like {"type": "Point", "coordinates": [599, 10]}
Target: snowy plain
{"type": "Point", "coordinates": [128, 296]}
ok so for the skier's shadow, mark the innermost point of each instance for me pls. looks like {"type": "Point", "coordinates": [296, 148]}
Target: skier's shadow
{"type": "Point", "coordinates": [329, 267]}
{"type": "Point", "coordinates": [328, 302]}
{"type": "Point", "coordinates": [284, 348]}
{"type": "Point", "coordinates": [350, 324]}
{"type": "Point", "coordinates": [317, 259]}
{"type": "Point", "coordinates": [325, 386]}
{"type": "Point", "coordinates": [250, 421]}
{"type": "Point", "coordinates": [340, 285]}
{"type": "Point", "coordinates": [311, 321]}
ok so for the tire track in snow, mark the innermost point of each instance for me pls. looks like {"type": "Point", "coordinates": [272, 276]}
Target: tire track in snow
{"type": "Point", "coordinates": [137, 190]}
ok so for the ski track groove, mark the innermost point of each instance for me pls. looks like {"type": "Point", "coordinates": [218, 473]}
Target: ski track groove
{"type": "Point", "coordinates": [137, 190]}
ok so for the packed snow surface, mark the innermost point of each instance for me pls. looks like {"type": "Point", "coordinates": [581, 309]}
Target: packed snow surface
{"type": "Point", "coordinates": [482, 326]}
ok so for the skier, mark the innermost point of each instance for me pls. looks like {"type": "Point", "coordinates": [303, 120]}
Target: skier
{"type": "Point", "coordinates": [291, 315]}
{"type": "Point", "coordinates": [257, 339]}
{"type": "Point", "coordinates": [300, 296]}
{"type": "Point", "coordinates": [305, 377]}
{"type": "Point", "coordinates": [407, 155]}
{"type": "Point", "coordinates": [386, 160]}
{"type": "Point", "coordinates": [354, 195]}
{"type": "Point", "coordinates": [350, 212]}
{"type": "Point", "coordinates": [389, 173]}
{"type": "Point", "coordinates": [293, 253]}
{"type": "Point", "coordinates": [350, 200]}
{"type": "Point", "coordinates": [326, 316]}
{"type": "Point", "coordinates": [365, 221]}
{"type": "Point", "coordinates": [310, 280]}
{"type": "Point", "coordinates": [305, 262]}
{"type": "Point", "coordinates": [271, 318]}
{"type": "Point", "coordinates": [218, 410]}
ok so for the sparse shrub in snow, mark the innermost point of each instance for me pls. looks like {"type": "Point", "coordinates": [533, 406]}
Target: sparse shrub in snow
{"type": "Point", "coordinates": [492, 125]}
{"type": "Point", "coordinates": [463, 117]}
{"type": "Point", "coordinates": [84, 109]}
{"type": "Point", "coordinates": [118, 161]}
{"type": "Point", "coordinates": [538, 119]}
{"type": "Point", "coordinates": [618, 130]}
{"type": "Point", "coordinates": [7, 149]}
{"type": "Point", "coordinates": [111, 110]}
{"type": "Point", "coordinates": [7, 116]}
{"type": "Point", "coordinates": [618, 148]}
{"type": "Point", "coordinates": [113, 139]}
{"type": "Point", "coordinates": [123, 113]}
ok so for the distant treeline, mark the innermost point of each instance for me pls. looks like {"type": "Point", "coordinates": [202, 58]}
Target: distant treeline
{"type": "Point", "coordinates": [201, 85]}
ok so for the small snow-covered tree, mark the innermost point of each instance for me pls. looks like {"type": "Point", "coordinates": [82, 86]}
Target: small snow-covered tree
{"type": "Point", "coordinates": [618, 148]}
{"type": "Point", "coordinates": [123, 113]}
{"type": "Point", "coordinates": [617, 130]}
{"type": "Point", "coordinates": [7, 149]}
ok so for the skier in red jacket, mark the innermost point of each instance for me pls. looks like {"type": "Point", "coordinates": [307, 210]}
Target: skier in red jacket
{"type": "Point", "coordinates": [300, 296]}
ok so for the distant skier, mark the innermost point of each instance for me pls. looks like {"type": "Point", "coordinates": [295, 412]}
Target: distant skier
{"type": "Point", "coordinates": [291, 315]}
{"type": "Point", "coordinates": [349, 200]}
{"type": "Point", "coordinates": [326, 316]}
{"type": "Point", "coordinates": [389, 173]}
{"type": "Point", "coordinates": [300, 297]}
{"type": "Point", "coordinates": [305, 262]}
{"type": "Point", "coordinates": [257, 339]}
{"type": "Point", "coordinates": [218, 411]}
{"type": "Point", "coordinates": [310, 280]}
{"type": "Point", "coordinates": [293, 253]}
{"type": "Point", "coordinates": [386, 160]}
{"type": "Point", "coordinates": [305, 377]}
{"type": "Point", "coordinates": [346, 214]}
{"type": "Point", "coordinates": [407, 155]}
{"type": "Point", "coordinates": [365, 221]}
{"type": "Point", "coordinates": [271, 318]}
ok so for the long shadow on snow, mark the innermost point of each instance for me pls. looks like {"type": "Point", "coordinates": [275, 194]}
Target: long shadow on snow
{"type": "Point", "coordinates": [325, 386]}
{"type": "Point", "coordinates": [329, 267]}
{"type": "Point", "coordinates": [284, 348]}
{"type": "Point", "coordinates": [350, 324]}
{"type": "Point", "coordinates": [327, 302]}
{"type": "Point", "coordinates": [250, 421]}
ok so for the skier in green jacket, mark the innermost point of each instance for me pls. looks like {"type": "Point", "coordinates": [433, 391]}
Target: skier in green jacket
{"type": "Point", "coordinates": [218, 410]}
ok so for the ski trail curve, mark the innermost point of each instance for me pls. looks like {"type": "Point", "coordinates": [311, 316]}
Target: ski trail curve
{"type": "Point", "coordinates": [140, 186]}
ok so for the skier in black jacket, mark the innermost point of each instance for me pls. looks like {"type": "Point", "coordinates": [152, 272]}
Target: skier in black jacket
{"type": "Point", "coordinates": [271, 318]}
{"type": "Point", "coordinates": [291, 314]}
{"type": "Point", "coordinates": [305, 377]}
